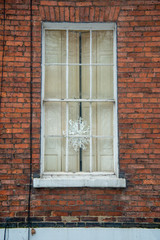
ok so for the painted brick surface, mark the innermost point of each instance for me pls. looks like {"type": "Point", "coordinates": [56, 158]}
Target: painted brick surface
{"type": "Point", "coordinates": [138, 35]}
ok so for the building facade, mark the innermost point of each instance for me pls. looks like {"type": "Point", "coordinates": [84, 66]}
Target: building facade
{"type": "Point", "coordinates": [92, 66]}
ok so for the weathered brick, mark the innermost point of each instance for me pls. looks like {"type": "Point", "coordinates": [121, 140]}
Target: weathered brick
{"type": "Point", "coordinates": [138, 46]}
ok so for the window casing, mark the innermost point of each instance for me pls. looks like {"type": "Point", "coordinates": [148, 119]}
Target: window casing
{"type": "Point", "coordinates": [79, 103]}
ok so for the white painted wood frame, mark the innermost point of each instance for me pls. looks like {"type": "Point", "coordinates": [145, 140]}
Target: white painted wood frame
{"type": "Point", "coordinates": [91, 178]}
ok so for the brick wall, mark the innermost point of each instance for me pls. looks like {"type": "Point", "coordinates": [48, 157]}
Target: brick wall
{"type": "Point", "coordinates": [138, 31]}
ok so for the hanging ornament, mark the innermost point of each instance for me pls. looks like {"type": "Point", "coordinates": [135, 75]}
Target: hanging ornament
{"type": "Point", "coordinates": [77, 129]}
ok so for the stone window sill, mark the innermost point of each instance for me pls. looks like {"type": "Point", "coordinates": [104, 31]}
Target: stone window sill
{"type": "Point", "coordinates": [79, 180]}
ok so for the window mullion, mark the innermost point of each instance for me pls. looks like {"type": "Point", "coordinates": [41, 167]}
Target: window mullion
{"type": "Point", "coordinates": [90, 105]}
{"type": "Point", "coordinates": [67, 107]}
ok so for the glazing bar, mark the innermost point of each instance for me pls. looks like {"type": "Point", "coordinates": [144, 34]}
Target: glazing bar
{"type": "Point", "coordinates": [79, 64]}
{"type": "Point", "coordinates": [90, 105]}
{"type": "Point", "coordinates": [80, 93]}
{"type": "Point", "coordinates": [78, 136]}
{"type": "Point", "coordinates": [77, 100]}
{"type": "Point", "coordinates": [67, 107]}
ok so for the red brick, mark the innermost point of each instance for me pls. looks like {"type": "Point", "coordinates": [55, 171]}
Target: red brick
{"type": "Point", "coordinates": [91, 14]}
{"type": "Point", "coordinates": [72, 14]}
{"type": "Point", "coordinates": [106, 15]}
{"type": "Point", "coordinates": [66, 4]}
{"type": "Point", "coordinates": [47, 13]}
{"type": "Point", "coordinates": [101, 16]}
{"type": "Point", "coordinates": [97, 14]}
{"type": "Point", "coordinates": [76, 14]}
{"type": "Point", "coordinates": [111, 13]}
{"type": "Point", "coordinates": [57, 14]}
{"type": "Point", "coordinates": [48, 3]}
{"type": "Point", "coordinates": [152, 13]}
{"type": "Point", "coordinates": [83, 4]}
{"type": "Point", "coordinates": [116, 14]}
{"type": "Point", "coordinates": [66, 14]}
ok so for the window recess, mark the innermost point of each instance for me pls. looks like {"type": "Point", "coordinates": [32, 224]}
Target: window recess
{"type": "Point", "coordinates": [79, 101]}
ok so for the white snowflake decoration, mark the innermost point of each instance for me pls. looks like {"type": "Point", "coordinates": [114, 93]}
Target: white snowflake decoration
{"type": "Point", "coordinates": [78, 128]}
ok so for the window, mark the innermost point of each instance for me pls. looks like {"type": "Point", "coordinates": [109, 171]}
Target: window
{"type": "Point", "coordinates": [79, 104]}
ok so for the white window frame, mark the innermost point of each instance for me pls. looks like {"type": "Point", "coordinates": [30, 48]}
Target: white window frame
{"type": "Point", "coordinates": [80, 179]}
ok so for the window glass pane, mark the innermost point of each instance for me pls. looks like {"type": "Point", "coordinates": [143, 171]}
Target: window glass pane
{"type": "Point", "coordinates": [79, 82]}
{"type": "Point", "coordinates": [102, 47]}
{"type": "Point", "coordinates": [55, 46]}
{"type": "Point", "coordinates": [54, 118]}
{"type": "Point", "coordinates": [86, 158]}
{"type": "Point", "coordinates": [102, 82]}
{"type": "Point", "coordinates": [73, 82]}
{"type": "Point", "coordinates": [77, 110]}
{"type": "Point", "coordinates": [73, 47]}
{"type": "Point", "coordinates": [55, 81]}
{"type": "Point", "coordinates": [85, 49]}
{"type": "Point", "coordinates": [54, 157]}
{"type": "Point", "coordinates": [102, 114]}
{"type": "Point", "coordinates": [54, 149]}
{"type": "Point", "coordinates": [85, 82]}
{"type": "Point", "coordinates": [79, 47]}
{"type": "Point", "coordinates": [103, 153]}
{"type": "Point", "coordinates": [79, 130]}
{"type": "Point", "coordinates": [73, 159]}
